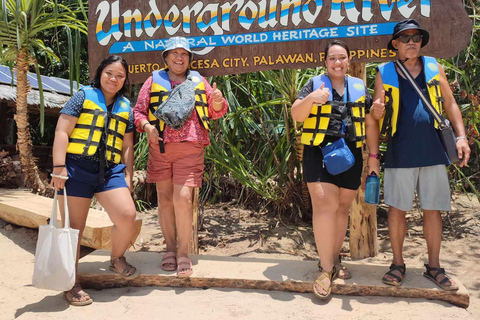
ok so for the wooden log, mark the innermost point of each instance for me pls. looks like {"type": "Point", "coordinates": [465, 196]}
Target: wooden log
{"type": "Point", "coordinates": [23, 208]}
{"type": "Point", "coordinates": [193, 248]}
{"type": "Point", "coordinates": [117, 281]}
{"type": "Point", "coordinates": [363, 216]}
{"type": "Point", "coordinates": [262, 274]}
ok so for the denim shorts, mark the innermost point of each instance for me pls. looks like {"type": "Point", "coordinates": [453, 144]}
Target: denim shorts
{"type": "Point", "coordinates": [84, 178]}
{"type": "Point", "coordinates": [431, 184]}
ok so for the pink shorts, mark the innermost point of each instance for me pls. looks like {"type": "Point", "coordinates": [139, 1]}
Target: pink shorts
{"type": "Point", "coordinates": [182, 162]}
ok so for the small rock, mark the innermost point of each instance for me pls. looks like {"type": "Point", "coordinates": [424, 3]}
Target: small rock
{"type": "Point", "coordinates": [460, 253]}
{"type": "Point", "coordinates": [8, 227]}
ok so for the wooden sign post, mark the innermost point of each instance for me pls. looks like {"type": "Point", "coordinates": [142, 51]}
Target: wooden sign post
{"type": "Point", "coordinates": [363, 216]}
{"type": "Point", "coordinates": [231, 37]}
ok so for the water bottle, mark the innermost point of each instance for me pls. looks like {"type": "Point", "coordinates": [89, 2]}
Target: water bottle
{"type": "Point", "coordinates": [372, 191]}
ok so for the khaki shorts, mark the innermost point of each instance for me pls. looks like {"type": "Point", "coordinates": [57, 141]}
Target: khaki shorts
{"type": "Point", "coordinates": [182, 162]}
{"type": "Point", "coordinates": [431, 184]}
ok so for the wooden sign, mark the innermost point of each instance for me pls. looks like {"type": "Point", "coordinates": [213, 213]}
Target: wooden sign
{"type": "Point", "coordinates": [238, 36]}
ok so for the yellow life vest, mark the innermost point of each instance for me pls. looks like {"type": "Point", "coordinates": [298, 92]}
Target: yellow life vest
{"type": "Point", "coordinates": [389, 75]}
{"type": "Point", "coordinates": [86, 135]}
{"type": "Point", "coordinates": [160, 90]}
{"type": "Point", "coordinates": [316, 126]}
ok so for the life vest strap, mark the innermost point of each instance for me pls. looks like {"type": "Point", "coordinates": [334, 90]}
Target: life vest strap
{"type": "Point", "coordinates": [75, 140]}
{"type": "Point", "coordinates": [326, 115]}
{"type": "Point", "coordinates": [386, 128]}
{"type": "Point", "coordinates": [96, 114]}
{"type": "Point", "coordinates": [119, 119]}
{"type": "Point", "coordinates": [326, 131]}
{"type": "Point", "coordinates": [87, 126]}
{"type": "Point", "coordinates": [113, 150]}
{"type": "Point", "coordinates": [115, 134]}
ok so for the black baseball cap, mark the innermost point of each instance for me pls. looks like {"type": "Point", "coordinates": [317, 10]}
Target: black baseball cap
{"type": "Point", "coordinates": [408, 24]}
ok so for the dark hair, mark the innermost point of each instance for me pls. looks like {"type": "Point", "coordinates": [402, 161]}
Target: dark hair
{"type": "Point", "coordinates": [336, 43]}
{"type": "Point", "coordinates": [106, 62]}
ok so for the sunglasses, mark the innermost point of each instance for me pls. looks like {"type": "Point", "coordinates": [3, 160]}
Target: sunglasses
{"type": "Point", "coordinates": [405, 38]}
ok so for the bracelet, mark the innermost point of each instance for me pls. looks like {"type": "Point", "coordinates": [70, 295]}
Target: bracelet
{"type": "Point", "coordinates": [143, 127]}
{"type": "Point", "coordinates": [461, 137]}
{"type": "Point", "coordinates": [59, 166]}
{"type": "Point", "coordinates": [58, 176]}
{"type": "Point", "coordinates": [374, 155]}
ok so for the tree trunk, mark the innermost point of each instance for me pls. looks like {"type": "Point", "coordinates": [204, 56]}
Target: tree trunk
{"type": "Point", "coordinates": [363, 216]}
{"type": "Point", "coordinates": [24, 141]}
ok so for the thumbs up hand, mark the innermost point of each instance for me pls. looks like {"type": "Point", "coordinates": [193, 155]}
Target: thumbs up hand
{"type": "Point", "coordinates": [216, 94]}
{"type": "Point", "coordinates": [378, 107]}
{"type": "Point", "coordinates": [320, 96]}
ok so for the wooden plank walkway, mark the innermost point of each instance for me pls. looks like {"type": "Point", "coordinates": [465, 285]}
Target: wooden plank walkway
{"type": "Point", "coordinates": [261, 274]}
{"type": "Point", "coordinates": [23, 208]}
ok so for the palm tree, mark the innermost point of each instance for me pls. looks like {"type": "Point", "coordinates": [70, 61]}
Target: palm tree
{"type": "Point", "coordinates": [22, 23]}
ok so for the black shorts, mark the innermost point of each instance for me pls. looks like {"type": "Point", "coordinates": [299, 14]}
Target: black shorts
{"type": "Point", "coordinates": [315, 171]}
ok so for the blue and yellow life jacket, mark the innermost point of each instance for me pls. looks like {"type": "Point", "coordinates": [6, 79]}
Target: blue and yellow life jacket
{"type": "Point", "coordinates": [316, 126]}
{"type": "Point", "coordinates": [160, 90]}
{"type": "Point", "coordinates": [87, 134]}
{"type": "Point", "coordinates": [389, 75]}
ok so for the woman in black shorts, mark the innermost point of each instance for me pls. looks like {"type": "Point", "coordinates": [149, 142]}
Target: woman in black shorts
{"type": "Point", "coordinates": [333, 106]}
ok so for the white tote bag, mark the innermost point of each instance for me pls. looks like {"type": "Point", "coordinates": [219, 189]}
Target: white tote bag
{"type": "Point", "coordinates": [56, 253]}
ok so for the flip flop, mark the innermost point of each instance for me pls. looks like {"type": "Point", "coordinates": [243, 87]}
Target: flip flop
{"type": "Point", "coordinates": [169, 261]}
{"type": "Point", "coordinates": [184, 268]}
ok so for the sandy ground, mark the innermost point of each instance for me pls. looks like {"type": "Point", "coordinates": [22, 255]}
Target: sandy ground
{"type": "Point", "coordinates": [228, 231]}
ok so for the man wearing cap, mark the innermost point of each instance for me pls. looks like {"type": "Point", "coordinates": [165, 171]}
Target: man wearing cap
{"type": "Point", "coordinates": [176, 148]}
{"type": "Point", "coordinates": [415, 159]}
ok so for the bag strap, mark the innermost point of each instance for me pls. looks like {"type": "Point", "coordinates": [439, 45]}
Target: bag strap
{"type": "Point", "coordinates": [438, 117]}
{"type": "Point", "coordinates": [53, 215]}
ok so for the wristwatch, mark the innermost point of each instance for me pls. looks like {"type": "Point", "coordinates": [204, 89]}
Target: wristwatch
{"type": "Point", "coordinates": [374, 155]}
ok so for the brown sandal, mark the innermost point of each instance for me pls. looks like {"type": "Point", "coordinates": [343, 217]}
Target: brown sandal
{"type": "Point", "coordinates": [129, 272]}
{"type": "Point", "coordinates": [340, 271]}
{"type": "Point", "coordinates": [75, 298]}
{"type": "Point", "coordinates": [328, 289]}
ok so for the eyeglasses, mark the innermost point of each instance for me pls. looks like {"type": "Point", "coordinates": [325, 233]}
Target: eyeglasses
{"type": "Point", "coordinates": [405, 38]}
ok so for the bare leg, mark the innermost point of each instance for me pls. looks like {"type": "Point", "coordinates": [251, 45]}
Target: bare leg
{"type": "Point", "coordinates": [397, 229]}
{"type": "Point", "coordinates": [325, 204]}
{"type": "Point", "coordinates": [78, 211]}
{"type": "Point", "coordinates": [120, 207]}
{"type": "Point", "coordinates": [346, 197]}
{"type": "Point", "coordinates": [166, 213]}
{"type": "Point", "coordinates": [432, 230]}
{"type": "Point", "coordinates": [182, 199]}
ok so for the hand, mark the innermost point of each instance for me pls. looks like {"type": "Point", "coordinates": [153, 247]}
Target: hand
{"type": "Point", "coordinates": [152, 134]}
{"type": "Point", "coordinates": [320, 96]}
{"type": "Point", "coordinates": [373, 166]}
{"type": "Point", "coordinates": [378, 107]}
{"type": "Point", "coordinates": [59, 183]}
{"type": "Point", "coordinates": [216, 94]}
{"type": "Point", "coordinates": [463, 151]}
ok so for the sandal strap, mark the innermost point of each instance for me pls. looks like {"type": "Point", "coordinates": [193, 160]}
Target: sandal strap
{"type": "Point", "coordinates": [324, 275]}
{"type": "Point", "coordinates": [184, 263]}
{"type": "Point", "coordinates": [128, 270]}
{"type": "Point", "coordinates": [390, 273]}
{"type": "Point", "coordinates": [439, 271]}
{"type": "Point", "coordinates": [401, 268]}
